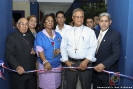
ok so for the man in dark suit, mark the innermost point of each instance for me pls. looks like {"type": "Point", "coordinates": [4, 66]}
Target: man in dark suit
{"type": "Point", "coordinates": [107, 53]}
{"type": "Point", "coordinates": [21, 56]}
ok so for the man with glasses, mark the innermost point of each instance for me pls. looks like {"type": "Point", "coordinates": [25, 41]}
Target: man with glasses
{"type": "Point", "coordinates": [61, 26]}
{"type": "Point", "coordinates": [78, 48]}
{"type": "Point", "coordinates": [21, 56]}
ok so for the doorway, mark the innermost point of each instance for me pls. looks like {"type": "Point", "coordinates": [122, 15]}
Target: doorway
{"type": "Point", "coordinates": [17, 14]}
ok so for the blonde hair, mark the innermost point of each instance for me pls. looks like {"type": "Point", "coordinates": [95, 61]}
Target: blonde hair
{"type": "Point", "coordinates": [76, 10]}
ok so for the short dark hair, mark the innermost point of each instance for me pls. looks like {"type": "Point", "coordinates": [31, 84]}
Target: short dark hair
{"type": "Point", "coordinates": [89, 17]}
{"type": "Point", "coordinates": [60, 12]}
{"type": "Point", "coordinates": [52, 14]}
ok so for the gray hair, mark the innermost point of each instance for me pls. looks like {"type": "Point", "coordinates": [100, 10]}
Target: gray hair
{"type": "Point", "coordinates": [20, 20]}
{"type": "Point", "coordinates": [76, 10]}
{"type": "Point", "coordinates": [105, 14]}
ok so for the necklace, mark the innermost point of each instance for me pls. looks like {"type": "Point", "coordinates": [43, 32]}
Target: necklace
{"type": "Point", "coordinates": [78, 39]}
{"type": "Point", "coordinates": [52, 42]}
{"type": "Point", "coordinates": [26, 40]}
{"type": "Point", "coordinates": [51, 39]}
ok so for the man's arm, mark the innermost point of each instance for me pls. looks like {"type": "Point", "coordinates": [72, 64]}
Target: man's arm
{"type": "Point", "coordinates": [113, 58]}
{"type": "Point", "coordinates": [116, 51]}
{"type": "Point", "coordinates": [63, 49]}
{"type": "Point", "coordinates": [10, 53]}
{"type": "Point", "coordinates": [64, 52]}
{"type": "Point", "coordinates": [92, 49]}
{"type": "Point", "coordinates": [10, 56]}
{"type": "Point", "coordinates": [91, 52]}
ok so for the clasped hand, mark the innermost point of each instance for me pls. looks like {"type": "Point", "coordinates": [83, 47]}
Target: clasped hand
{"type": "Point", "coordinates": [99, 68]}
{"type": "Point", "coordinates": [82, 65]}
{"type": "Point", "coordinates": [47, 66]}
{"type": "Point", "coordinates": [56, 51]}
{"type": "Point", "coordinates": [32, 51]}
{"type": "Point", "coordinates": [20, 70]}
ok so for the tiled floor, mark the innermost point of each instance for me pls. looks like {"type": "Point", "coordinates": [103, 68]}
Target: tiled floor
{"type": "Point", "coordinates": [79, 86]}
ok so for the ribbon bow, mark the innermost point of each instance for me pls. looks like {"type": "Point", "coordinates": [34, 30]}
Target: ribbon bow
{"type": "Point", "coordinates": [1, 69]}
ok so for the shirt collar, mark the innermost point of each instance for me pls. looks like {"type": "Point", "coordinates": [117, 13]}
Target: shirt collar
{"type": "Point", "coordinates": [23, 34]}
{"type": "Point", "coordinates": [78, 27]}
{"type": "Point", "coordinates": [62, 28]}
{"type": "Point", "coordinates": [103, 32]}
{"type": "Point", "coordinates": [45, 32]}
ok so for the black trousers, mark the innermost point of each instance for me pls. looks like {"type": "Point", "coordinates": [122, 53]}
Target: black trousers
{"type": "Point", "coordinates": [30, 83]}
{"type": "Point", "coordinates": [101, 84]}
{"type": "Point", "coordinates": [85, 77]}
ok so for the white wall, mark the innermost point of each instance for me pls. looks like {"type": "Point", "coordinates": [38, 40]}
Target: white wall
{"type": "Point", "coordinates": [50, 9]}
{"type": "Point", "coordinates": [22, 6]}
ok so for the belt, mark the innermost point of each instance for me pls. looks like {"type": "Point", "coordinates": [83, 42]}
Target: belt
{"type": "Point", "coordinates": [76, 60]}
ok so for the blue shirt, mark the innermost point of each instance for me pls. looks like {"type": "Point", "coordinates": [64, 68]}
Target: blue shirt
{"type": "Point", "coordinates": [46, 43]}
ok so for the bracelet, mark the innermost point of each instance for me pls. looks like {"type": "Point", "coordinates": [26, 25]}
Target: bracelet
{"type": "Point", "coordinates": [44, 61]}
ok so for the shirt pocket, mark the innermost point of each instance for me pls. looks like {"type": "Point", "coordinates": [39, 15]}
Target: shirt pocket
{"type": "Point", "coordinates": [85, 42]}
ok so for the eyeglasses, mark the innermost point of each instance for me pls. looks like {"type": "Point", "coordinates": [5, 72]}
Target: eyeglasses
{"type": "Point", "coordinates": [77, 17]}
{"type": "Point", "coordinates": [22, 24]}
{"type": "Point", "coordinates": [48, 21]}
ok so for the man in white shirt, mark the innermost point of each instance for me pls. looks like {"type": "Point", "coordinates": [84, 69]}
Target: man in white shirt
{"type": "Point", "coordinates": [61, 26]}
{"type": "Point", "coordinates": [78, 48]}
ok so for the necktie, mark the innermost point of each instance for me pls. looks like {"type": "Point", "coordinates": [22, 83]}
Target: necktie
{"type": "Point", "coordinates": [99, 42]}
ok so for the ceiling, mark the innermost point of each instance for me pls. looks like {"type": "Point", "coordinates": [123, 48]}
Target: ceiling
{"type": "Point", "coordinates": [64, 1]}
{"type": "Point", "coordinates": [20, 0]}
{"type": "Point", "coordinates": [54, 4]}
{"type": "Point", "coordinates": [48, 6]}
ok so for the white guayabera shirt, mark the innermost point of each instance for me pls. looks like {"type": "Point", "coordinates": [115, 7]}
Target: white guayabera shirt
{"type": "Point", "coordinates": [64, 29]}
{"type": "Point", "coordinates": [83, 39]}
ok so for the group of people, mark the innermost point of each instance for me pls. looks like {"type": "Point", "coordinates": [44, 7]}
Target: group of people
{"type": "Point", "coordinates": [92, 22]}
{"type": "Point", "coordinates": [76, 46]}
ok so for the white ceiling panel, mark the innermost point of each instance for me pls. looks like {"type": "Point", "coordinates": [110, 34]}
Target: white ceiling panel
{"type": "Point", "coordinates": [21, 0]}
{"type": "Point", "coordinates": [65, 1]}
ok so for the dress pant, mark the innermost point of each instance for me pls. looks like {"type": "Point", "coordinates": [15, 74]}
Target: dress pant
{"type": "Point", "coordinates": [30, 83]}
{"type": "Point", "coordinates": [85, 77]}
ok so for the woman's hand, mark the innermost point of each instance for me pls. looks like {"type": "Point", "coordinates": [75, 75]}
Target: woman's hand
{"type": "Point", "coordinates": [32, 51]}
{"type": "Point", "coordinates": [47, 66]}
{"type": "Point", "coordinates": [56, 51]}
